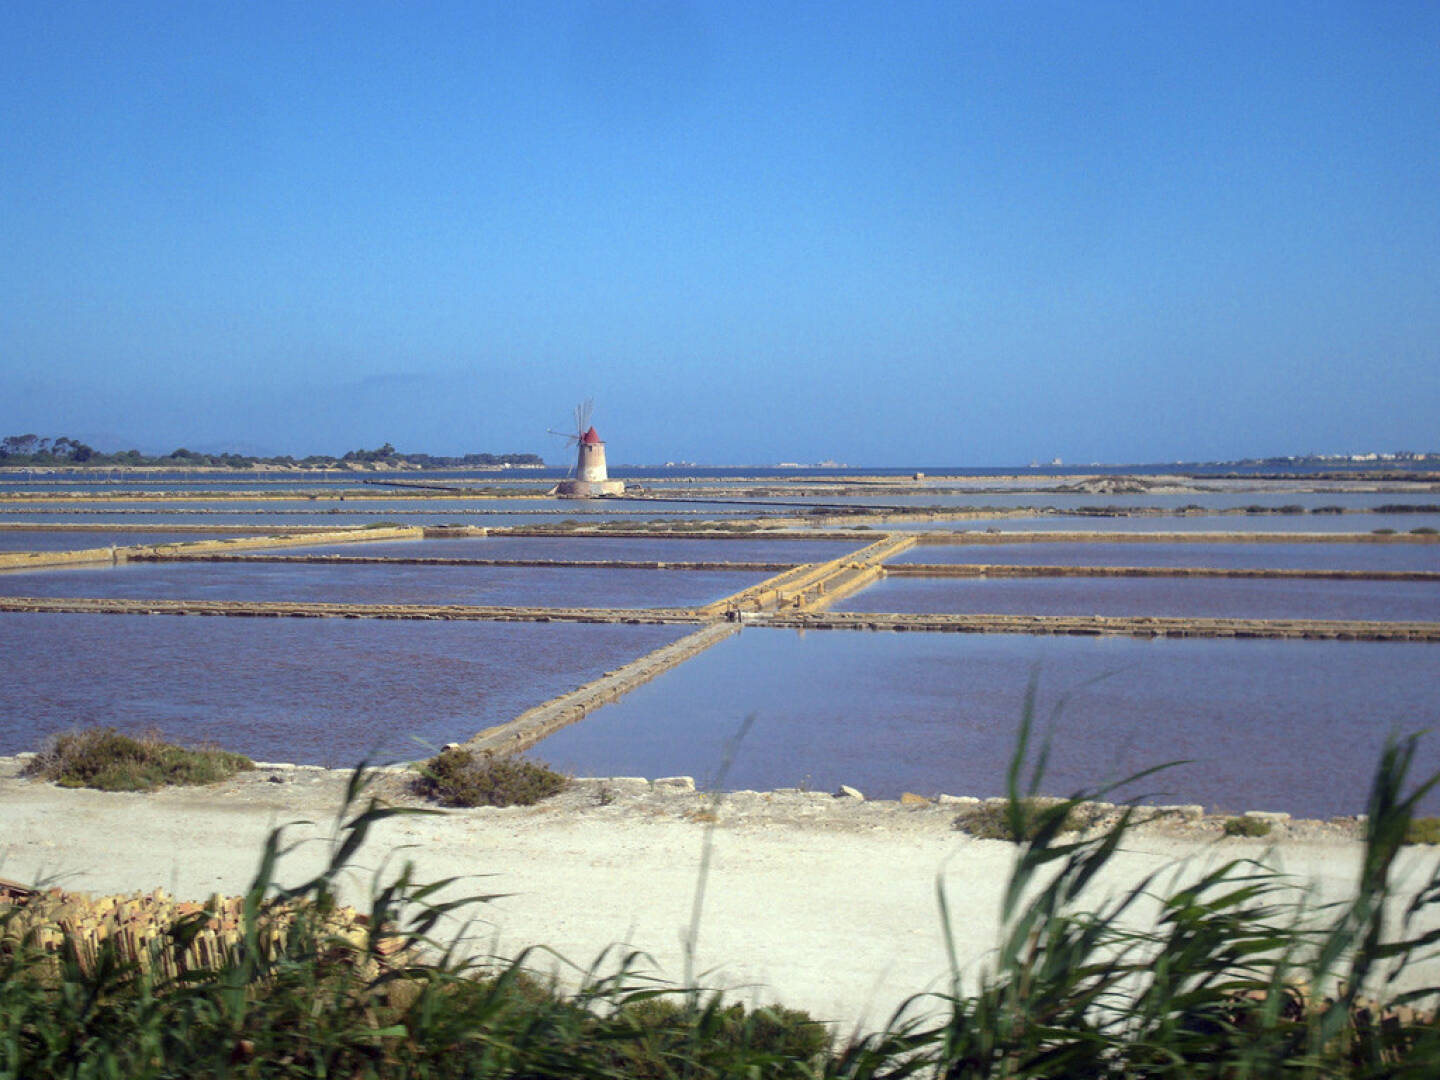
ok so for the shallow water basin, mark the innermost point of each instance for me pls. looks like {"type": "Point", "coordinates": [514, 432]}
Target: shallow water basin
{"type": "Point", "coordinates": [1243, 598]}
{"type": "Point", "coordinates": [1267, 725]}
{"type": "Point", "coordinates": [381, 583]}
{"type": "Point", "coordinates": [1334, 555]}
{"type": "Point", "coordinates": [315, 691]}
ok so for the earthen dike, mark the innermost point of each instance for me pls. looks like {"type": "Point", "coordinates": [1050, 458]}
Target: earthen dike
{"type": "Point", "coordinates": [797, 594]}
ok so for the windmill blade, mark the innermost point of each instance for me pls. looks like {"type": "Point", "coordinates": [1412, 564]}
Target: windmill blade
{"type": "Point", "coordinates": [564, 435]}
{"type": "Point", "coordinates": [582, 415]}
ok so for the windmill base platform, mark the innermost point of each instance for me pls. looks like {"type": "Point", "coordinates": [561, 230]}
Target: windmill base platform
{"type": "Point", "coordinates": [589, 489]}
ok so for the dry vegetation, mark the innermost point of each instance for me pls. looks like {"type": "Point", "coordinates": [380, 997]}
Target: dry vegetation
{"type": "Point", "coordinates": [104, 758]}
{"type": "Point", "coordinates": [460, 777]}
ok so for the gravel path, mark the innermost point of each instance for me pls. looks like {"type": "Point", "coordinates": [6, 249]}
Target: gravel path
{"type": "Point", "coordinates": [824, 904]}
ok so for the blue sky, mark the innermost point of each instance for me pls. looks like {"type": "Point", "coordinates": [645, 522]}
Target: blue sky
{"type": "Point", "coordinates": [948, 233]}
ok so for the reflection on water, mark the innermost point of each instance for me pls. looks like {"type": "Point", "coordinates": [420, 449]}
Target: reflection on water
{"type": "Point", "coordinates": [317, 691]}
{"type": "Point", "coordinates": [1272, 725]}
{"type": "Point", "coordinates": [1243, 598]}
{"type": "Point", "coordinates": [378, 583]}
{"type": "Point", "coordinates": [1332, 555]}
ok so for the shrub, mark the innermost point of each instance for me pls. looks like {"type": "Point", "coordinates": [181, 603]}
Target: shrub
{"type": "Point", "coordinates": [104, 758]}
{"type": "Point", "coordinates": [993, 821]}
{"type": "Point", "coordinates": [1382, 532]}
{"type": "Point", "coordinates": [1425, 830]}
{"type": "Point", "coordinates": [459, 777]}
{"type": "Point", "coordinates": [1424, 530]}
{"type": "Point", "coordinates": [1247, 826]}
{"type": "Point", "coordinates": [664, 1031]}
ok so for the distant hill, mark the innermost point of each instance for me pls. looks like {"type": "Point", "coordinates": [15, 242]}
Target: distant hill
{"type": "Point", "coordinates": [35, 450]}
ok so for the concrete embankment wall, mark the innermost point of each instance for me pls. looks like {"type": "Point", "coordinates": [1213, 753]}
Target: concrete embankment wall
{"type": "Point", "coordinates": [854, 574]}
{"type": "Point", "coordinates": [251, 543]}
{"type": "Point", "coordinates": [1009, 570]}
{"type": "Point", "coordinates": [37, 560]}
{"type": "Point", "coordinates": [808, 584]}
{"type": "Point", "coordinates": [531, 726]}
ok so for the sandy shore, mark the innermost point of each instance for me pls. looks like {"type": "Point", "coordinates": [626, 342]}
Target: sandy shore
{"type": "Point", "coordinates": [824, 904]}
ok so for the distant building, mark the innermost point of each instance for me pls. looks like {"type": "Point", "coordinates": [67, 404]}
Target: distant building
{"type": "Point", "coordinates": [591, 480]}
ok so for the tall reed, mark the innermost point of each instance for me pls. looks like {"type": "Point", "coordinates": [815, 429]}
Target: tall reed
{"type": "Point", "coordinates": [1226, 974]}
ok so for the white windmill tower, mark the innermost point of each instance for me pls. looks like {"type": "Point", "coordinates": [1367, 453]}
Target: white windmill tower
{"type": "Point", "coordinates": [588, 478]}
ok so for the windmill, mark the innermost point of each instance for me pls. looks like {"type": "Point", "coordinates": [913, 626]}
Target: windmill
{"type": "Point", "coordinates": [582, 422]}
{"type": "Point", "coordinates": [587, 477]}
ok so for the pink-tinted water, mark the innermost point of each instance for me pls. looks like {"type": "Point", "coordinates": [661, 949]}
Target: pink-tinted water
{"type": "Point", "coordinates": [1211, 523]}
{"type": "Point", "coordinates": [319, 691]}
{"type": "Point", "coordinates": [1267, 725]}
{"type": "Point", "coordinates": [592, 548]}
{"type": "Point", "coordinates": [1276, 598]}
{"type": "Point", "coordinates": [1330, 555]}
{"type": "Point", "coordinates": [378, 583]}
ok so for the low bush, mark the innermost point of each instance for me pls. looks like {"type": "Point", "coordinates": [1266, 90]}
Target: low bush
{"type": "Point", "coordinates": [1425, 830]}
{"type": "Point", "coordinates": [104, 758]}
{"type": "Point", "coordinates": [1247, 827]}
{"type": "Point", "coordinates": [460, 777]}
{"type": "Point", "coordinates": [663, 1033]}
{"type": "Point", "coordinates": [1424, 530]}
{"type": "Point", "coordinates": [998, 821]}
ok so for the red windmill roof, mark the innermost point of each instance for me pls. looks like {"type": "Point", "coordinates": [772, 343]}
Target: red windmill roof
{"type": "Point", "coordinates": [590, 437]}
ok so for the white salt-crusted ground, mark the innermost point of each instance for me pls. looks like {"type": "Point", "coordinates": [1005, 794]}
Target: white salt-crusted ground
{"type": "Point", "coordinates": [824, 904]}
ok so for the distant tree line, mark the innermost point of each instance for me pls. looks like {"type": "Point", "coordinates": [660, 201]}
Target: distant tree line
{"type": "Point", "coordinates": [37, 450]}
